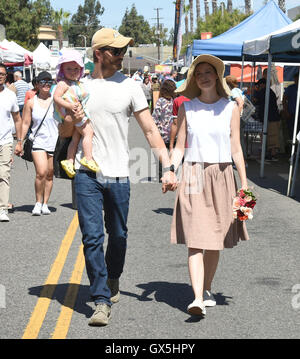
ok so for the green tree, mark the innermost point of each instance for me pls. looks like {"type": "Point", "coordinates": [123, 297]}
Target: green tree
{"type": "Point", "coordinates": [281, 4]}
{"type": "Point", "coordinates": [85, 22]}
{"type": "Point", "coordinates": [44, 10]}
{"type": "Point", "coordinates": [216, 23]}
{"type": "Point", "coordinates": [186, 10]}
{"type": "Point", "coordinates": [22, 20]}
{"type": "Point", "coordinates": [135, 26]}
{"type": "Point", "coordinates": [297, 17]}
{"type": "Point", "coordinates": [61, 24]}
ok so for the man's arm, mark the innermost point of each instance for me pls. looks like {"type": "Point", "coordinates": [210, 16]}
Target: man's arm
{"type": "Point", "coordinates": [66, 128]}
{"type": "Point", "coordinates": [18, 125]}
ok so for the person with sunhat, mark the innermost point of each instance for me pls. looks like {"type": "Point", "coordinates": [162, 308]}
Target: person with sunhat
{"type": "Point", "coordinates": [113, 98]}
{"type": "Point", "coordinates": [203, 214]}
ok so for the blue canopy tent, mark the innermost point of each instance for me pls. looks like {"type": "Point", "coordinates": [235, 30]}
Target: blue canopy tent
{"type": "Point", "coordinates": [228, 46]}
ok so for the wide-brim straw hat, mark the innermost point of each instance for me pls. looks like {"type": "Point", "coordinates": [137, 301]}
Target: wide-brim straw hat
{"type": "Point", "coordinates": [190, 88]}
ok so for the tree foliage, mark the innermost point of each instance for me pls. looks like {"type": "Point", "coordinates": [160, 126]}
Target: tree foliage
{"type": "Point", "coordinates": [216, 23]}
{"type": "Point", "coordinates": [85, 22]}
{"type": "Point", "coordinates": [23, 18]}
{"type": "Point", "coordinates": [135, 26]}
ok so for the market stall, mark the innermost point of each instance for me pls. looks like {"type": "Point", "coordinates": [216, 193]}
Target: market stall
{"type": "Point", "coordinates": [280, 45]}
{"type": "Point", "coordinates": [288, 44]}
{"type": "Point", "coordinates": [228, 46]}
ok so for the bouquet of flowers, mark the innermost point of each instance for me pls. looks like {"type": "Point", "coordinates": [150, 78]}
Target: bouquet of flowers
{"type": "Point", "coordinates": [243, 205]}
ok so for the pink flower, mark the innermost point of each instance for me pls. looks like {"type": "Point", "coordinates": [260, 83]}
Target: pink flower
{"type": "Point", "coordinates": [247, 212]}
{"type": "Point", "coordinates": [242, 202]}
{"type": "Point", "coordinates": [236, 203]}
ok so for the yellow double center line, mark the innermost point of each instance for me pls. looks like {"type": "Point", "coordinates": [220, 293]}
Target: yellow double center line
{"type": "Point", "coordinates": [39, 313]}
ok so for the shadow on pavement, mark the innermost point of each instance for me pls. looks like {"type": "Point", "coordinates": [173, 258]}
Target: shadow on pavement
{"type": "Point", "coordinates": [168, 211]}
{"type": "Point", "coordinates": [176, 295]}
{"type": "Point", "coordinates": [275, 176]}
{"type": "Point", "coordinates": [29, 208]}
{"type": "Point", "coordinates": [67, 205]}
{"type": "Point", "coordinates": [58, 292]}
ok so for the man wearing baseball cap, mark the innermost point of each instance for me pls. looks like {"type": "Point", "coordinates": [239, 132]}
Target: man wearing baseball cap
{"type": "Point", "coordinates": [113, 98]}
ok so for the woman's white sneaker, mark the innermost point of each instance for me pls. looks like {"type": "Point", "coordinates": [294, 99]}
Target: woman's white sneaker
{"type": "Point", "coordinates": [197, 308]}
{"type": "Point", "coordinates": [45, 209]}
{"type": "Point", "coordinates": [37, 210]}
{"type": "Point", "coordinates": [3, 216]}
{"type": "Point", "coordinates": [208, 299]}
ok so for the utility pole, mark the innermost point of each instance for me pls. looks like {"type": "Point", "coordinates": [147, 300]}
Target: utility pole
{"type": "Point", "coordinates": [158, 32]}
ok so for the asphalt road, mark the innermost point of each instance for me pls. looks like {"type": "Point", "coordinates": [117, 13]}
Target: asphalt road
{"type": "Point", "coordinates": [257, 284]}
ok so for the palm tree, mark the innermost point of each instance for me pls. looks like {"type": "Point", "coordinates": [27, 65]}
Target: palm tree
{"type": "Point", "coordinates": [229, 6]}
{"type": "Point", "coordinates": [281, 4]}
{"type": "Point", "coordinates": [186, 10]}
{"type": "Point", "coordinates": [214, 5]}
{"type": "Point", "coordinates": [206, 7]}
{"type": "Point", "coordinates": [198, 10]}
{"type": "Point", "coordinates": [247, 6]}
{"type": "Point", "coordinates": [191, 15]}
{"type": "Point", "coordinates": [61, 22]}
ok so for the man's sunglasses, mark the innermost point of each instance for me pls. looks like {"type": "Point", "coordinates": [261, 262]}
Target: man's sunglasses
{"type": "Point", "coordinates": [46, 82]}
{"type": "Point", "coordinates": [115, 50]}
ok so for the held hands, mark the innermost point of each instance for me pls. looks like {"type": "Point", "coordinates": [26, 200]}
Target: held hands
{"type": "Point", "coordinates": [169, 182]}
{"type": "Point", "coordinates": [19, 149]}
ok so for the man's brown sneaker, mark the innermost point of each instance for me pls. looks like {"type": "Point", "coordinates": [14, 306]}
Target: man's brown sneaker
{"type": "Point", "coordinates": [113, 285]}
{"type": "Point", "coordinates": [101, 315]}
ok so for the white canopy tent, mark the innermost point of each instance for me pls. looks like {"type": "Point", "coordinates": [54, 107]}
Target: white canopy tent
{"type": "Point", "coordinates": [41, 57]}
{"type": "Point", "coordinates": [43, 60]}
{"type": "Point", "coordinates": [9, 54]}
{"type": "Point", "coordinates": [261, 46]}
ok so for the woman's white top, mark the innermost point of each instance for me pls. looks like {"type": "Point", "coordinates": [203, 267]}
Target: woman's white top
{"type": "Point", "coordinates": [47, 135]}
{"type": "Point", "coordinates": [208, 131]}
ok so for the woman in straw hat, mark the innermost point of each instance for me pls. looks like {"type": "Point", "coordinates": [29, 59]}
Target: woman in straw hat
{"type": "Point", "coordinates": [203, 215]}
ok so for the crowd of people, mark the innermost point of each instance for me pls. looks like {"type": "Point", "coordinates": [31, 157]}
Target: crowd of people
{"type": "Point", "coordinates": [197, 120]}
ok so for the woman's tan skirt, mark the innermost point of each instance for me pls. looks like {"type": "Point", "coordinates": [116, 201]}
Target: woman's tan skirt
{"type": "Point", "coordinates": [203, 214]}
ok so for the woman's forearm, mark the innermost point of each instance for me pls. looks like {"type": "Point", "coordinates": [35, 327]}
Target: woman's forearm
{"type": "Point", "coordinates": [239, 162]}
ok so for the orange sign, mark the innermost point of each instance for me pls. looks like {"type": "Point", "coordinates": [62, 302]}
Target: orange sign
{"type": "Point", "coordinates": [236, 70]}
{"type": "Point", "coordinates": [206, 35]}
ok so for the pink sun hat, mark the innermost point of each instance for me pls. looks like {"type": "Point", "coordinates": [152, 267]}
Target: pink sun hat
{"type": "Point", "coordinates": [69, 55]}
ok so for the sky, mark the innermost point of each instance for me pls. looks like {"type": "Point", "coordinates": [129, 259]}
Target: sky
{"type": "Point", "coordinates": [115, 9]}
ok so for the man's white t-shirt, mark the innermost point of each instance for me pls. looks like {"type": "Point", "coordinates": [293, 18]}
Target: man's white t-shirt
{"type": "Point", "coordinates": [110, 105]}
{"type": "Point", "coordinates": [8, 104]}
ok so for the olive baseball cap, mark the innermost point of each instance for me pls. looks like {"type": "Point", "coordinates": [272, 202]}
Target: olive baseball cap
{"type": "Point", "coordinates": [110, 37]}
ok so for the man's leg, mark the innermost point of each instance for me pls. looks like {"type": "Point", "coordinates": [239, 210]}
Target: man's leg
{"type": "Point", "coordinates": [116, 206]}
{"type": "Point", "coordinates": [5, 166]}
{"type": "Point", "coordinates": [89, 194]}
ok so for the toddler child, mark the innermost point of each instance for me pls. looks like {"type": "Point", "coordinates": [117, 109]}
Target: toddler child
{"type": "Point", "coordinates": [68, 94]}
